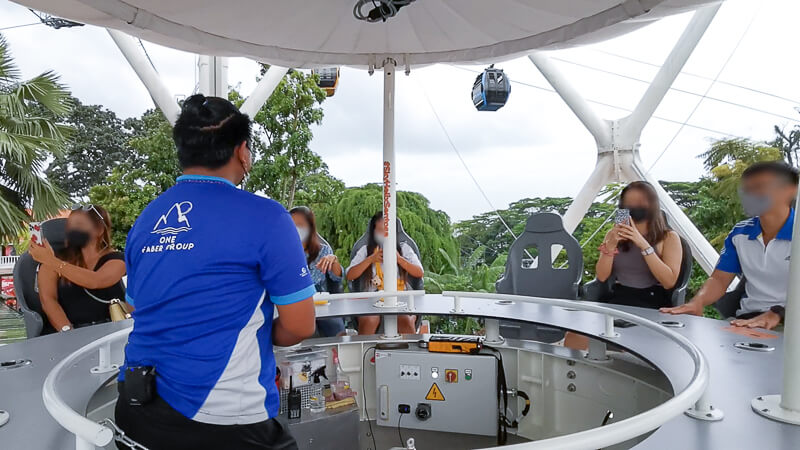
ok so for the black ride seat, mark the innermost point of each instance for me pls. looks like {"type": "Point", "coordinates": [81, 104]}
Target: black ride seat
{"type": "Point", "coordinates": [413, 284]}
{"type": "Point", "coordinates": [26, 278]}
{"type": "Point", "coordinates": [530, 270]}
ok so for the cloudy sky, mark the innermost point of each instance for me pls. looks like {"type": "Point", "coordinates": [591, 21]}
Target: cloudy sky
{"type": "Point", "coordinates": [534, 146]}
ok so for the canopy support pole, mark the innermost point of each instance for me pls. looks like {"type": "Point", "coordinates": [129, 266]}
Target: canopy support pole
{"type": "Point", "coordinates": [618, 141]}
{"type": "Point", "coordinates": [389, 265]}
{"type": "Point", "coordinates": [213, 76]}
{"type": "Point", "coordinates": [265, 87]}
{"type": "Point", "coordinates": [785, 407]}
{"type": "Point", "coordinates": [161, 96]}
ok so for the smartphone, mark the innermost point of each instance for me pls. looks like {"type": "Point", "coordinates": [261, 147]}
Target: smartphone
{"type": "Point", "coordinates": [623, 216]}
{"type": "Point", "coordinates": [36, 232]}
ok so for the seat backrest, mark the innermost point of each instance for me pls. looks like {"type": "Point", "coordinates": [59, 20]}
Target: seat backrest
{"type": "Point", "coordinates": [332, 286]}
{"type": "Point", "coordinates": [26, 278]}
{"type": "Point", "coordinates": [731, 301]}
{"type": "Point", "coordinates": [527, 274]}
{"type": "Point", "coordinates": [678, 293]}
{"type": "Point", "coordinates": [402, 237]}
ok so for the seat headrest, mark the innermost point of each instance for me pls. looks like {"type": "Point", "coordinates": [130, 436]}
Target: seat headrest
{"type": "Point", "coordinates": [544, 222]}
{"type": "Point", "coordinates": [54, 231]}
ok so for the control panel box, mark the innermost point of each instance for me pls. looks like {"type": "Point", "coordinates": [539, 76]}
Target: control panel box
{"type": "Point", "coordinates": [437, 391]}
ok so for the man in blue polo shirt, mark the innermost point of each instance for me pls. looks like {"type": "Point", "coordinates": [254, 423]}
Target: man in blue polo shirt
{"type": "Point", "coordinates": [206, 264]}
{"type": "Point", "coordinates": [758, 248]}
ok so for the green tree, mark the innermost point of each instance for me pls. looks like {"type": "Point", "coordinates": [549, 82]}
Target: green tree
{"type": "Point", "coordinates": [151, 170]}
{"type": "Point", "coordinates": [285, 163]}
{"type": "Point", "coordinates": [97, 145]}
{"type": "Point", "coordinates": [29, 136]}
{"type": "Point", "coordinates": [343, 221]}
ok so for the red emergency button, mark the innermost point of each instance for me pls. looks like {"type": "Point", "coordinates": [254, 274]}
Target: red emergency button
{"type": "Point", "coordinates": [451, 375]}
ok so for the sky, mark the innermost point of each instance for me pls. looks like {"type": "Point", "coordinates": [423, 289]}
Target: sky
{"type": "Point", "coordinates": [532, 147]}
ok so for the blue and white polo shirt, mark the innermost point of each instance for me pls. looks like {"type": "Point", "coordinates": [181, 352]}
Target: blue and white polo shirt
{"type": "Point", "coordinates": [206, 263]}
{"type": "Point", "coordinates": [766, 267]}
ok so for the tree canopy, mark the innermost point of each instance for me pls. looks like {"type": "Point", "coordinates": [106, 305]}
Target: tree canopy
{"type": "Point", "coordinates": [98, 143]}
{"type": "Point", "coordinates": [29, 135]}
{"type": "Point", "coordinates": [345, 219]}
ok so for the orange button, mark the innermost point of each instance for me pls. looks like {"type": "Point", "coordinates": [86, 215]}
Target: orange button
{"type": "Point", "coordinates": [451, 375]}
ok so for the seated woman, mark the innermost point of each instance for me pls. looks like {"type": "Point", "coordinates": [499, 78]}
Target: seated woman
{"type": "Point", "coordinates": [75, 289]}
{"type": "Point", "coordinates": [644, 255]}
{"type": "Point", "coordinates": [322, 264]}
{"type": "Point", "coordinates": [366, 267]}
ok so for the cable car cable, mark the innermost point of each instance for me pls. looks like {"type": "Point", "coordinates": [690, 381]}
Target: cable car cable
{"type": "Point", "coordinates": [699, 102]}
{"type": "Point", "coordinates": [702, 77]}
{"type": "Point", "coordinates": [621, 108]}
{"type": "Point", "coordinates": [683, 91]}
{"type": "Point", "coordinates": [464, 163]}
{"type": "Point", "coordinates": [20, 26]}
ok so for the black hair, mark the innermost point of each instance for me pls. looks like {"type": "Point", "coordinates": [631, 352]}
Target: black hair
{"type": "Point", "coordinates": [780, 169]}
{"type": "Point", "coordinates": [208, 130]}
{"type": "Point", "coordinates": [313, 246]}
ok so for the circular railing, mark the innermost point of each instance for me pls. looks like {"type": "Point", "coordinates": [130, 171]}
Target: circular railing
{"type": "Point", "coordinates": [89, 433]}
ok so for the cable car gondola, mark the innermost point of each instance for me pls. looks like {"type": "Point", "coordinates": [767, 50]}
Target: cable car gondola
{"type": "Point", "coordinates": [328, 79]}
{"type": "Point", "coordinates": [491, 89]}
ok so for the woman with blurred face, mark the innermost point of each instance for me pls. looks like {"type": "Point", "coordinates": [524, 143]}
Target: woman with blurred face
{"type": "Point", "coordinates": [75, 288]}
{"type": "Point", "coordinates": [366, 267]}
{"type": "Point", "coordinates": [323, 265]}
{"type": "Point", "coordinates": [643, 254]}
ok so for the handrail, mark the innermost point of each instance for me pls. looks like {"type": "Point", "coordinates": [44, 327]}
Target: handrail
{"type": "Point", "coordinates": [83, 428]}
{"type": "Point", "coordinates": [631, 427]}
{"type": "Point", "coordinates": [96, 434]}
{"type": "Point", "coordinates": [363, 295]}
{"type": "Point", "coordinates": [4, 260]}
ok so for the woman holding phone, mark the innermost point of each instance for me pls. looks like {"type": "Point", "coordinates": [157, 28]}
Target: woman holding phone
{"type": "Point", "coordinates": [641, 251]}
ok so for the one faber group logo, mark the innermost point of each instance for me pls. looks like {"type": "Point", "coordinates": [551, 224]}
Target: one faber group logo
{"type": "Point", "coordinates": [175, 220]}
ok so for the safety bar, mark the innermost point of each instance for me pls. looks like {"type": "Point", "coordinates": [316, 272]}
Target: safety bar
{"type": "Point", "coordinates": [87, 433]}
{"type": "Point", "coordinates": [631, 427]}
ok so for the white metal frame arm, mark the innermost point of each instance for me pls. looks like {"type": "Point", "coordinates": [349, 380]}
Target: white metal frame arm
{"type": "Point", "coordinates": [161, 96]}
{"type": "Point", "coordinates": [785, 407]}
{"type": "Point", "coordinates": [263, 90]}
{"type": "Point", "coordinates": [618, 141]}
{"type": "Point", "coordinates": [389, 197]}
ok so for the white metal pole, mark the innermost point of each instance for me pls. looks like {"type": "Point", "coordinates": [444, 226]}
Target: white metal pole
{"type": "Point", "coordinates": [791, 334]}
{"type": "Point", "coordinates": [265, 87]}
{"type": "Point", "coordinates": [161, 96]}
{"type": "Point", "coordinates": [600, 128]}
{"type": "Point", "coordinates": [213, 76]}
{"type": "Point", "coordinates": [583, 201]}
{"type": "Point", "coordinates": [389, 197]}
{"type": "Point", "coordinates": [633, 125]}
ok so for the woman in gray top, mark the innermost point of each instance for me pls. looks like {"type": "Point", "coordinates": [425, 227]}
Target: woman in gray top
{"type": "Point", "coordinates": [644, 255]}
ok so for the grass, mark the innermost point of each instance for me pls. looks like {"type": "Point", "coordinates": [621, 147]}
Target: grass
{"type": "Point", "coordinates": [12, 327]}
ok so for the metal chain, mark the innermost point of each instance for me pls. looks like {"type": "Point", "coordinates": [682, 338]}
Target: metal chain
{"type": "Point", "coordinates": [120, 436]}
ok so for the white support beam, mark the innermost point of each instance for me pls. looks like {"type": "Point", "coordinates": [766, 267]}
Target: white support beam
{"type": "Point", "coordinates": [618, 141]}
{"type": "Point", "coordinates": [601, 176]}
{"type": "Point", "coordinates": [599, 127]}
{"type": "Point", "coordinates": [265, 87]}
{"type": "Point", "coordinates": [389, 198]}
{"type": "Point", "coordinates": [213, 76]}
{"type": "Point", "coordinates": [785, 407]}
{"type": "Point", "coordinates": [161, 96]}
{"type": "Point", "coordinates": [632, 126]}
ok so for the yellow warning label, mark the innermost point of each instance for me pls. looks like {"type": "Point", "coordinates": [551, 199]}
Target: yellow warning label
{"type": "Point", "coordinates": [435, 393]}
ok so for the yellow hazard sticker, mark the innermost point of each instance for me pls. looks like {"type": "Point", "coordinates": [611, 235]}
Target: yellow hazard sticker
{"type": "Point", "coordinates": [434, 393]}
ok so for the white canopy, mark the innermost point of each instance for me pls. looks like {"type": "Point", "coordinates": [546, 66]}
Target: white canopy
{"type": "Point", "coordinates": [308, 33]}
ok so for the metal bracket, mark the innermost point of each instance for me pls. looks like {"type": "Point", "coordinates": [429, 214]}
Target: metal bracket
{"type": "Point", "coordinates": [770, 407]}
{"type": "Point", "coordinates": [709, 415]}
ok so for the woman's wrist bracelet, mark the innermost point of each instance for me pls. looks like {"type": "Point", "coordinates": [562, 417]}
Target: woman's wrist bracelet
{"type": "Point", "coordinates": [60, 267]}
